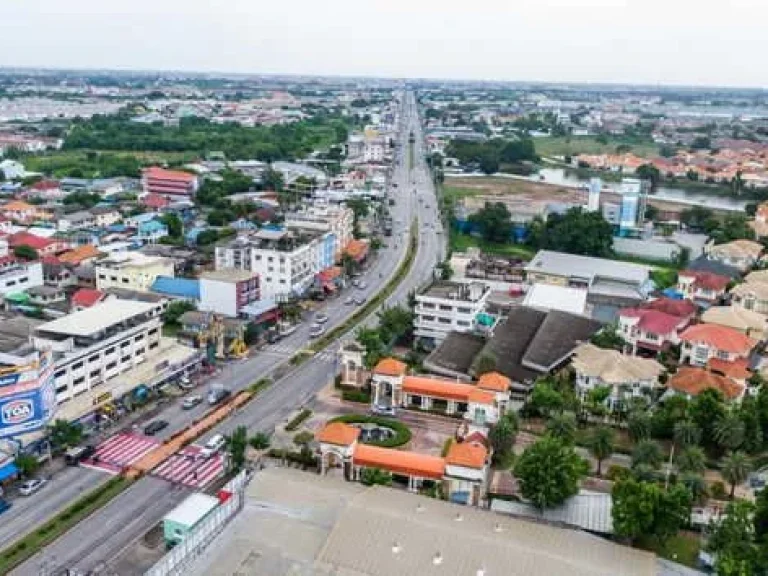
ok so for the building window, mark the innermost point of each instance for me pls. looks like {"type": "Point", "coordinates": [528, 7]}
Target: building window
{"type": "Point", "coordinates": [153, 331]}
{"type": "Point", "coordinates": [59, 374]}
{"type": "Point", "coordinates": [23, 280]}
{"type": "Point", "coordinates": [78, 381]}
{"type": "Point", "coordinates": [464, 310]}
{"type": "Point", "coordinates": [154, 345]}
{"type": "Point", "coordinates": [445, 307]}
{"type": "Point", "coordinates": [61, 389]}
{"type": "Point", "coordinates": [111, 365]}
{"type": "Point", "coordinates": [125, 359]}
{"type": "Point", "coordinates": [444, 320]}
{"type": "Point", "coordinates": [77, 365]}
{"type": "Point", "coordinates": [462, 323]}
{"type": "Point", "coordinates": [110, 350]}
{"type": "Point", "coordinates": [125, 344]}
{"type": "Point", "coordinates": [139, 351]}
{"type": "Point", "coordinates": [94, 374]}
{"type": "Point", "coordinates": [139, 338]}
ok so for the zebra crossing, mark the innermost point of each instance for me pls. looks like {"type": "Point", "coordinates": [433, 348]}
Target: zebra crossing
{"type": "Point", "coordinates": [327, 356]}
{"type": "Point", "coordinates": [188, 468]}
{"type": "Point", "coordinates": [119, 451]}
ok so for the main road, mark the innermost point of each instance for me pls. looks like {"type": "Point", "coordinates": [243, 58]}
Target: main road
{"type": "Point", "coordinates": [94, 542]}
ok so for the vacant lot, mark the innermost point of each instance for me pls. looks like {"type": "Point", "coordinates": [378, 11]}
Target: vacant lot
{"type": "Point", "coordinates": [569, 146]}
{"type": "Point", "coordinates": [464, 187]}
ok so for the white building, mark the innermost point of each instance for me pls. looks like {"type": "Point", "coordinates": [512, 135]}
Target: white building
{"type": "Point", "coordinates": [18, 277]}
{"type": "Point", "coordinates": [96, 344]}
{"type": "Point", "coordinates": [448, 307]}
{"type": "Point", "coordinates": [12, 170]}
{"type": "Point", "coordinates": [227, 291]}
{"type": "Point", "coordinates": [338, 220]}
{"type": "Point", "coordinates": [131, 271]}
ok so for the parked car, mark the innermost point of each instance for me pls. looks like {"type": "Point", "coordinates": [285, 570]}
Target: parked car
{"type": "Point", "coordinates": [191, 402]}
{"type": "Point", "coordinates": [361, 285]}
{"type": "Point", "coordinates": [185, 383]}
{"type": "Point", "coordinates": [359, 300]}
{"type": "Point", "coordinates": [349, 301]}
{"type": "Point", "coordinates": [154, 427]}
{"type": "Point", "coordinates": [321, 318]}
{"type": "Point", "coordinates": [213, 445]}
{"type": "Point", "coordinates": [316, 330]}
{"type": "Point", "coordinates": [75, 455]}
{"type": "Point", "coordinates": [31, 486]}
{"type": "Point", "coordinates": [217, 395]}
{"type": "Point", "coordinates": [287, 330]}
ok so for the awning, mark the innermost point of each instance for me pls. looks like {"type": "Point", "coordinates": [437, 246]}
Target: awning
{"type": "Point", "coordinates": [7, 471]}
{"type": "Point", "coordinates": [329, 286]}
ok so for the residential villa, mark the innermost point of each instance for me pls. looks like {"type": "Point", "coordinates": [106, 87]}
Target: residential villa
{"type": "Point", "coordinates": [752, 294]}
{"type": "Point", "coordinates": [721, 349]}
{"type": "Point", "coordinates": [691, 381]}
{"type": "Point", "coordinates": [656, 325]}
{"type": "Point", "coordinates": [626, 376]}
{"type": "Point", "coordinates": [704, 288]}
{"type": "Point", "coordinates": [749, 322]}
{"type": "Point", "coordinates": [741, 254]}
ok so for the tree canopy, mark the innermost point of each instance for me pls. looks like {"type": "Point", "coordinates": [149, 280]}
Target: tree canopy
{"type": "Point", "coordinates": [576, 232]}
{"type": "Point", "coordinates": [494, 222]}
{"type": "Point", "coordinates": [549, 472]}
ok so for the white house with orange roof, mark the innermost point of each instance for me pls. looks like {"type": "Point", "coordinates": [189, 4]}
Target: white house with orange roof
{"type": "Point", "coordinates": [722, 349]}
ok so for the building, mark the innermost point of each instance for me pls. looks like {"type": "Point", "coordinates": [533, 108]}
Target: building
{"type": "Point", "coordinates": [741, 254]}
{"type": "Point", "coordinates": [626, 376]}
{"type": "Point", "coordinates": [634, 195]}
{"type": "Point", "coordinates": [181, 520]}
{"type": "Point", "coordinates": [719, 348]}
{"type": "Point", "coordinates": [20, 211]}
{"type": "Point", "coordinates": [43, 246]}
{"type": "Point", "coordinates": [79, 255]}
{"type": "Point", "coordinates": [12, 170]}
{"type": "Point", "coordinates": [751, 295]}
{"type": "Point", "coordinates": [379, 531]}
{"type": "Point", "coordinates": [131, 270]}
{"type": "Point", "coordinates": [151, 232]}
{"type": "Point", "coordinates": [106, 215]}
{"type": "Point", "coordinates": [228, 291]}
{"type": "Point", "coordinates": [690, 381]}
{"type": "Point", "coordinates": [338, 220]}
{"type": "Point", "coordinates": [76, 221]}
{"type": "Point", "coordinates": [93, 345]}
{"type": "Point", "coordinates": [704, 288]}
{"type": "Point", "coordinates": [749, 322]}
{"type": "Point", "coordinates": [169, 183]}
{"type": "Point", "coordinates": [177, 288]}
{"type": "Point", "coordinates": [448, 307]}
{"type": "Point", "coordinates": [655, 325]}
{"type": "Point", "coordinates": [18, 276]}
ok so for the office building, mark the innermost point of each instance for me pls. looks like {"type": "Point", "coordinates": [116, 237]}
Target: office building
{"type": "Point", "coordinates": [448, 307]}
{"type": "Point", "coordinates": [169, 183]}
{"type": "Point", "coordinates": [227, 291]}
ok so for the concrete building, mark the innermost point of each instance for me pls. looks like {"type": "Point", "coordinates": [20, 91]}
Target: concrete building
{"type": "Point", "coordinates": [227, 291]}
{"type": "Point", "coordinates": [19, 276]}
{"type": "Point", "coordinates": [96, 344]}
{"type": "Point", "coordinates": [131, 270]}
{"type": "Point", "coordinates": [741, 254]}
{"type": "Point", "coordinates": [169, 183]}
{"type": "Point", "coordinates": [448, 307]}
{"type": "Point", "coordinates": [720, 348]}
{"type": "Point", "coordinates": [338, 220]}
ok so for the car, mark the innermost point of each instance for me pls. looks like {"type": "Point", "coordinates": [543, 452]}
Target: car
{"type": "Point", "coordinates": [359, 300]}
{"type": "Point", "coordinates": [320, 318]}
{"type": "Point", "coordinates": [4, 505]}
{"type": "Point", "coordinates": [383, 410]}
{"type": "Point", "coordinates": [154, 427]}
{"type": "Point", "coordinates": [349, 301]}
{"type": "Point", "coordinates": [191, 402]}
{"type": "Point", "coordinates": [31, 486]}
{"type": "Point", "coordinates": [287, 330]}
{"type": "Point", "coordinates": [361, 285]}
{"type": "Point", "coordinates": [73, 456]}
{"type": "Point", "coordinates": [185, 383]}
{"type": "Point", "coordinates": [216, 395]}
{"type": "Point", "coordinates": [213, 445]}
{"type": "Point", "coordinates": [316, 330]}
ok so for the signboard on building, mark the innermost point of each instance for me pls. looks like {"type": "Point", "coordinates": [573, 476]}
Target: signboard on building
{"type": "Point", "coordinates": [27, 397]}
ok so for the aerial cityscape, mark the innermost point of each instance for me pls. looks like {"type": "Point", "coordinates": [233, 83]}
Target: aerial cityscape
{"type": "Point", "coordinates": [343, 306]}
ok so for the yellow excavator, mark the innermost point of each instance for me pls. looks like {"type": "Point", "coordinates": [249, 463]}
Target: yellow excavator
{"type": "Point", "coordinates": [213, 335]}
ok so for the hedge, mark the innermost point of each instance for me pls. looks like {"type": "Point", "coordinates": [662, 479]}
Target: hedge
{"type": "Point", "coordinates": [360, 396]}
{"type": "Point", "coordinates": [402, 432]}
{"type": "Point", "coordinates": [298, 420]}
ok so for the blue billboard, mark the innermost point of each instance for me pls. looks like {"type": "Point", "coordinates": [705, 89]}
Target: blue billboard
{"type": "Point", "coordinates": [27, 397]}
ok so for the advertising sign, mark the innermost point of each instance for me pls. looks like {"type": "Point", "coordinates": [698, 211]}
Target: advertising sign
{"type": "Point", "coordinates": [22, 413]}
{"type": "Point", "coordinates": [27, 397]}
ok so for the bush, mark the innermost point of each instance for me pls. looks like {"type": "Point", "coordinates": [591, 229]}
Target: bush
{"type": "Point", "coordinates": [616, 473]}
{"type": "Point", "coordinates": [303, 438]}
{"type": "Point", "coordinates": [717, 490]}
{"type": "Point", "coordinates": [360, 396]}
{"type": "Point", "coordinates": [298, 420]}
{"type": "Point", "coordinates": [259, 385]}
{"type": "Point", "coordinates": [260, 441]}
{"type": "Point", "coordinates": [446, 447]}
{"type": "Point", "coordinates": [402, 432]}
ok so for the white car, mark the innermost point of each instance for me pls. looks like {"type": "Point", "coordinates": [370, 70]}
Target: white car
{"type": "Point", "coordinates": [31, 486]}
{"type": "Point", "coordinates": [214, 445]}
{"type": "Point", "coordinates": [349, 301]}
{"type": "Point", "coordinates": [362, 285]}
{"type": "Point", "coordinates": [320, 318]}
{"type": "Point", "coordinates": [316, 330]}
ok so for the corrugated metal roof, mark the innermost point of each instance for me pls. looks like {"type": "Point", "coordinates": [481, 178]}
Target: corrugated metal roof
{"type": "Point", "coordinates": [180, 287]}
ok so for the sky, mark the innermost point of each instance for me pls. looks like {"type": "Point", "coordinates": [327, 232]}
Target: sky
{"type": "Point", "coordinates": [683, 42]}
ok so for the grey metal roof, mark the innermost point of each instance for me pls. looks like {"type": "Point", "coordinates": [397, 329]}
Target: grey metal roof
{"type": "Point", "coordinates": [562, 264]}
{"type": "Point", "coordinates": [587, 510]}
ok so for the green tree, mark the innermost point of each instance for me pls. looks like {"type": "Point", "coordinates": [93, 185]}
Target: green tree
{"type": "Point", "coordinates": [735, 468]}
{"type": "Point", "coordinates": [563, 427]}
{"type": "Point", "coordinates": [494, 222]}
{"type": "Point", "coordinates": [25, 252]}
{"type": "Point", "coordinates": [729, 430]}
{"type": "Point", "coordinates": [375, 476]}
{"type": "Point", "coordinates": [65, 434]}
{"type": "Point", "coordinates": [639, 425]}
{"type": "Point", "coordinates": [687, 433]}
{"type": "Point", "coordinates": [647, 453]}
{"type": "Point", "coordinates": [502, 436]}
{"type": "Point", "coordinates": [753, 432]}
{"type": "Point", "coordinates": [761, 515]}
{"type": "Point", "coordinates": [699, 219]}
{"type": "Point", "coordinates": [237, 442]}
{"type": "Point", "coordinates": [549, 472]}
{"type": "Point", "coordinates": [691, 459]}
{"type": "Point", "coordinates": [271, 179]}
{"type": "Point", "coordinates": [27, 465]}
{"type": "Point", "coordinates": [706, 410]}
{"type": "Point", "coordinates": [576, 232]}
{"type": "Point", "coordinates": [260, 441]}
{"type": "Point", "coordinates": [696, 485]}
{"type": "Point", "coordinates": [545, 399]}
{"type": "Point", "coordinates": [734, 227]}
{"type": "Point", "coordinates": [489, 163]}
{"type": "Point", "coordinates": [370, 339]}
{"type": "Point", "coordinates": [602, 443]}
{"type": "Point", "coordinates": [445, 270]}
{"type": "Point", "coordinates": [732, 541]}
{"type": "Point", "coordinates": [609, 338]}
{"type": "Point", "coordinates": [176, 310]}
{"type": "Point", "coordinates": [650, 173]}
{"type": "Point", "coordinates": [174, 224]}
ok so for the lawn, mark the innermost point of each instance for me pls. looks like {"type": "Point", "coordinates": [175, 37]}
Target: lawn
{"type": "Point", "coordinates": [460, 243]}
{"type": "Point", "coordinates": [570, 146]}
{"type": "Point", "coordinates": [682, 548]}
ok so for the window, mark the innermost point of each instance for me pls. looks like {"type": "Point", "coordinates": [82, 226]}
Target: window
{"type": "Point", "coordinates": [722, 355]}
{"type": "Point", "coordinates": [153, 331]}
{"type": "Point", "coordinates": [125, 359]}
{"type": "Point", "coordinates": [125, 344]}
{"type": "Point", "coordinates": [102, 277]}
{"type": "Point", "coordinates": [59, 374]}
{"type": "Point", "coordinates": [154, 345]}
{"type": "Point", "coordinates": [444, 320]}
{"type": "Point", "coordinates": [139, 338]}
{"type": "Point", "coordinates": [110, 350]}
{"type": "Point", "coordinates": [462, 323]}
{"type": "Point", "coordinates": [427, 305]}
{"type": "Point", "coordinates": [428, 318]}
{"type": "Point", "coordinates": [94, 374]}
{"type": "Point", "coordinates": [113, 278]}
{"type": "Point", "coordinates": [23, 280]}
{"type": "Point", "coordinates": [139, 351]}
{"type": "Point", "coordinates": [651, 336]}
{"type": "Point", "coordinates": [111, 365]}
{"type": "Point", "coordinates": [464, 310]}
{"type": "Point", "coordinates": [446, 307]}
{"type": "Point", "coordinates": [78, 381]}
{"type": "Point", "coordinates": [77, 365]}
{"type": "Point", "coordinates": [61, 389]}
{"type": "Point", "coordinates": [125, 280]}
{"type": "Point", "coordinates": [11, 283]}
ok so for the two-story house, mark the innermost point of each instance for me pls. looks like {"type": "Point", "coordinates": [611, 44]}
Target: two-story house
{"type": "Point", "coordinates": [741, 254]}
{"type": "Point", "coordinates": [704, 288]}
{"type": "Point", "coordinates": [721, 349]}
{"type": "Point", "coordinates": [626, 376]}
{"type": "Point", "coordinates": [656, 325]}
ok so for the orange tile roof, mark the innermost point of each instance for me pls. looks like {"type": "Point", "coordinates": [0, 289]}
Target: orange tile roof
{"type": "Point", "coordinates": [17, 206]}
{"type": "Point", "coordinates": [390, 367]}
{"type": "Point", "coordinates": [446, 389]}
{"type": "Point", "coordinates": [399, 461]}
{"type": "Point", "coordinates": [693, 381]}
{"type": "Point", "coordinates": [338, 433]}
{"type": "Point", "coordinates": [79, 254]}
{"type": "Point", "coordinates": [738, 369]}
{"type": "Point", "coordinates": [162, 173]}
{"type": "Point", "coordinates": [467, 454]}
{"type": "Point", "coordinates": [494, 381]}
{"type": "Point", "coordinates": [357, 249]}
{"type": "Point", "coordinates": [719, 337]}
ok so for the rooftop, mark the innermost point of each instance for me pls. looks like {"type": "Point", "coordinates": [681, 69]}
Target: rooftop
{"type": "Point", "coordinates": [228, 275]}
{"type": "Point", "coordinates": [587, 267]}
{"type": "Point", "coordinates": [15, 333]}
{"type": "Point", "coordinates": [192, 509]}
{"type": "Point", "coordinates": [338, 433]}
{"type": "Point", "coordinates": [722, 338]}
{"type": "Point", "coordinates": [691, 380]}
{"type": "Point", "coordinates": [456, 291]}
{"type": "Point", "coordinates": [97, 318]}
{"type": "Point", "coordinates": [179, 287]}
{"type": "Point", "coordinates": [613, 367]}
{"type": "Point", "coordinates": [390, 367]}
{"type": "Point", "coordinates": [119, 260]}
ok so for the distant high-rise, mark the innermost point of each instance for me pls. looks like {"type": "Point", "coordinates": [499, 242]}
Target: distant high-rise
{"type": "Point", "coordinates": [595, 187]}
{"type": "Point", "coordinates": [633, 199]}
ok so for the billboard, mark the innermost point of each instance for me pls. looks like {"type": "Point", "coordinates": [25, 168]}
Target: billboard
{"type": "Point", "coordinates": [27, 397]}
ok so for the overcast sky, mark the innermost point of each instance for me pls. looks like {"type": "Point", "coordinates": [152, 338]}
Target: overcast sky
{"type": "Point", "coordinates": [711, 42]}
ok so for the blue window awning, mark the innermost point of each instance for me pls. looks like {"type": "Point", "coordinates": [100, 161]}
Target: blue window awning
{"type": "Point", "coordinates": [7, 471]}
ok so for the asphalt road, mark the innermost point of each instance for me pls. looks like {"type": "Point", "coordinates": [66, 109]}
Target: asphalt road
{"type": "Point", "coordinates": [101, 537]}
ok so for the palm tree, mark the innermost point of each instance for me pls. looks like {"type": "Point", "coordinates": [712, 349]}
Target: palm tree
{"type": "Point", "coordinates": [687, 433]}
{"type": "Point", "coordinates": [729, 430]}
{"type": "Point", "coordinates": [563, 427]}
{"type": "Point", "coordinates": [639, 423]}
{"type": "Point", "coordinates": [736, 467]}
{"type": "Point", "coordinates": [647, 453]}
{"type": "Point", "coordinates": [601, 446]}
{"type": "Point", "coordinates": [696, 485]}
{"type": "Point", "coordinates": [692, 460]}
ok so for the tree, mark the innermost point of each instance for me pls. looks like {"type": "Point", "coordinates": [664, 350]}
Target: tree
{"type": "Point", "coordinates": [576, 232]}
{"type": "Point", "coordinates": [732, 541]}
{"type": "Point", "coordinates": [370, 339]}
{"type": "Point", "coordinates": [601, 445]}
{"type": "Point", "coordinates": [699, 219]}
{"type": "Point", "coordinates": [729, 430]}
{"type": "Point", "coordinates": [734, 227]}
{"type": "Point", "coordinates": [174, 224]}
{"type": "Point", "coordinates": [753, 432]}
{"type": "Point", "coordinates": [691, 459]}
{"type": "Point", "coordinates": [176, 309]}
{"type": "Point", "coordinates": [206, 237]}
{"type": "Point", "coordinates": [735, 468]}
{"type": "Point", "coordinates": [485, 363]}
{"type": "Point", "coordinates": [649, 172]}
{"type": "Point", "coordinates": [494, 222]}
{"type": "Point", "coordinates": [687, 433]}
{"type": "Point", "coordinates": [271, 179]}
{"type": "Point", "coordinates": [237, 442]}
{"type": "Point", "coordinates": [761, 515]}
{"type": "Point", "coordinates": [549, 472]}
{"type": "Point", "coordinates": [609, 338]}
{"type": "Point", "coordinates": [701, 143]}
{"type": "Point", "coordinates": [647, 453]}
{"type": "Point", "coordinates": [445, 270]}
{"type": "Point", "coordinates": [696, 485]}
{"type": "Point", "coordinates": [545, 399]}
{"type": "Point", "coordinates": [706, 409]}
{"type": "Point", "coordinates": [65, 434]}
{"type": "Point", "coordinates": [25, 252]}
{"type": "Point", "coordinates": [639, 424]}
{"type": "Point", "coordinates": [503, 434]}
{"type": "Point", "coordinates": [489, 163]}
{"type": "Point", "coordinates": [27, 465]}
{"type": "Point", "coordinates": [375, 476]}
{"type": "Point", "coordinates": [563, 427]}
{"type": "Point", "coordinates": [260, 441]}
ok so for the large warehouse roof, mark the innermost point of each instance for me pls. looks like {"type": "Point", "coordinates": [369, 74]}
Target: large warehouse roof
{"type": "Point", "coordinates": [99, 317]}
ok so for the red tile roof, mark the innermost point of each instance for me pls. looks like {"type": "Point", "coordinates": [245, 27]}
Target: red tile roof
{"type": "Point", "coordinates": [86, 297]}
{"type": "Point", "coordinates": [399, 461]}
{"type": "Point", "coordinates": [693, 381]}
{"type": "Point", "coordinates": [653, 320]}
{"type": "Point", "coordinates": [738, 369]}
{"type": "Point", "coordinates": [681, 308]}
{"type": "Point", "coordinates": [719, 337]}
{"type": "Point", "coordinates": [357, 249]}
{"type": "Point", "coordinates": [467, 454]}
{"type": "Point", "coordinates": [707, 280]}
{"type": "Point", "coordinates": [446, 389]}
{"type": "Point", "coordinates": [154, 201]}
{"type": "Point", "coordinates": [27, 239]}
{"type": "Point", "coordinates": [77, 255]}
{"type": "Point", "coordinates": [390, 367]}
{"type": "Point", "coordinates": [338, 433]}
{"type": "Point", "coordinates": [494, 381]}
{"type": "Point", "coordinates": [163, 174]}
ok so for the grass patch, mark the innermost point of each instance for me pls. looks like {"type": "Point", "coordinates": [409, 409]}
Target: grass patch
{"type": "Point", "coordinates": [460, 243]}
{"type": "Point", "coordinates": [298, 420]}
{"type": "Point", "coordinates": [402, 432]}
{"type": "Point", "coordinates": [682, 548]}
{"type": "Point", "coordinates": [260, 385]}
{"type": "Point", "coordinates": [29, 545]}
{"type": "Point", "coordinates": [359, 396]}
{"type": "Point", "coordinates": [572, 145]}
{"type": "Point", "coordinates": [171, 329]}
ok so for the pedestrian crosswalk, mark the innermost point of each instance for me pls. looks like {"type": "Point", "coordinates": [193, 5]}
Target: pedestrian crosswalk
{"type": "Point", "coordinates": [188, 468]}
{"type": "Point", "coordinates": [327, 356]}
{"type": "Point", "coordinates": [119, 451]}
